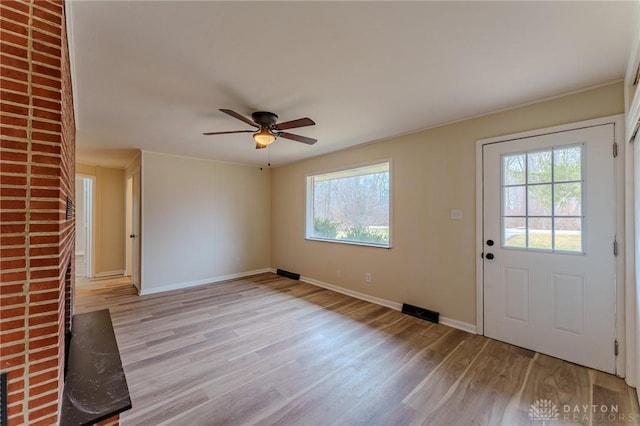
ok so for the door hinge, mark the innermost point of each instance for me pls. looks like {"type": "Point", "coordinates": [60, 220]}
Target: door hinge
{"type": "Point", "coordinates": [635, 132]}
{"type": "Point", "coordinates": [615, 347]}
{"type": "Point", "coordinates": [615, 247]}
{"type": "Point", "coordinates": [615, 149]}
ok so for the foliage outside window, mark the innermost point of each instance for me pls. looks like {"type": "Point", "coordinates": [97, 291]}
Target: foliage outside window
{"type": "Point", "coordinates": [350, 206]}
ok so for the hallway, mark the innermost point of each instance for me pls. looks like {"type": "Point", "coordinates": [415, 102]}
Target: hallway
{"type": "Point", "coordinates": [111, 286]}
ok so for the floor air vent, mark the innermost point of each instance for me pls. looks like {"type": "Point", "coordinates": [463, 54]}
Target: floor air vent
{"type": "Point", "coordinates": [288, 274]}
{"type": "Point", "coordinates": [421, 313]}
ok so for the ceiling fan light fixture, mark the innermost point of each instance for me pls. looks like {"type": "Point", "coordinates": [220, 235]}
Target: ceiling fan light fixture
{"type": "Point", "coordinates": [264, 137]}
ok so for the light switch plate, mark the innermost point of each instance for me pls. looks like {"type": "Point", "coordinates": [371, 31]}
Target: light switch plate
{"type": "Point", "coordinates": [456, 214]}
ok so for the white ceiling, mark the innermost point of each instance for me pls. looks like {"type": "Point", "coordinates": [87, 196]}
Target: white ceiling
{"type": "Point", "coordinates": [151, 75]}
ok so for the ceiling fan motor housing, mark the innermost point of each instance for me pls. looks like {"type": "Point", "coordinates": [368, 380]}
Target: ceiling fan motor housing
{"type": "Point", "coordinates": [264, 118]}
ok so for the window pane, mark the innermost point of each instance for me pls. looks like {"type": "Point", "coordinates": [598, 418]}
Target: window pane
{"type": "Point", "coordinates": [515, 232]}
{"type": "Point", "coordinates": [539, 200]}
{"type": "Point", "coordinates": [568, 234]}
{"type": "Point", "coordinates": [539, 167]}
{"type": "Point", "coordinates": [540, 233]}
{"type": "Point", "coordinates": [514, 200]}
{"type": "Point", "coordinates": [568, 199]}
{"type": "Point", "coordinates": [513, 169]}
{"type": "Point", "coordinates": [351, 205]}
{"type": "Point", "coordinates": [567, 164]}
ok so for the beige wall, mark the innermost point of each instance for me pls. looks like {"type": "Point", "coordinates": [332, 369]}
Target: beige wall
{"type": "Point", "coordinates": [432, 262]}
{"type": "Point", "coordinates": [108, 217]}
{"type": "Point", "coordinates": [202, 220]}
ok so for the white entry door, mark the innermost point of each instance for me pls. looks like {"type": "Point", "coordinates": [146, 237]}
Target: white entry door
{"type": "Point", "coordinates": [549, 231]}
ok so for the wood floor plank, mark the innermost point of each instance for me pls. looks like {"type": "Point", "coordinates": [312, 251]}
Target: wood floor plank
{"type": "Point", "coordinates": [351, 375]}
{"type": "Point", "coordinates": [268, 350]}
{"type": "Point", "coordinates": [485, 389]}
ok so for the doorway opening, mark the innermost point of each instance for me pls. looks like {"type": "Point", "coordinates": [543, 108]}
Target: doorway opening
{"type": "Point", "coordinates": [548, 214]}
{"type": "Point", "coordinates": [129, 227]}
{"type": "Point", "coordinates": [84, 226]}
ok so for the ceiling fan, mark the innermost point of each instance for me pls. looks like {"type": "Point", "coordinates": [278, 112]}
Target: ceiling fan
{"type": "Point", "coordinates": [269, 128]}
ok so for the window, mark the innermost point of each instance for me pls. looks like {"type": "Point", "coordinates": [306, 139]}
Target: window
{"type": "Point", "coordinates": [542, 200]}
{"type": "Point", "coordinates": [350, 206]}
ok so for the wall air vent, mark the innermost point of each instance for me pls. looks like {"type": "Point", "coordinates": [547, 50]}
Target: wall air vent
{"type": "Point", "coordinates": [69, 214]}
{"type": "Point", "coordinates": [3, 398]}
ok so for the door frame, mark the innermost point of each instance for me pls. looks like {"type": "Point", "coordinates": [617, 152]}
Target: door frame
{"type": "Point", "coordinates": [625, 282]}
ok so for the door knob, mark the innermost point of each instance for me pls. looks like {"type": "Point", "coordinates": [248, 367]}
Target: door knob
{"type": "Point", "coordinates": [489, 256]}
{"type": "Point", "coordinates": [489, 243]}
{"type": "Point", "coordinates": [132, 236]}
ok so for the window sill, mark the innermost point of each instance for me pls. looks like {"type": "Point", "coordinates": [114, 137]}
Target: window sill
{"type": "Point", "coordinates": [352, 243]}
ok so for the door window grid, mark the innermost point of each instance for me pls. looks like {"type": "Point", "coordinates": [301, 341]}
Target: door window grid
{"type": "Point", "coordinates": [542, 202]}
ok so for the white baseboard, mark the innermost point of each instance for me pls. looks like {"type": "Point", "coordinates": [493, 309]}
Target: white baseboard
{"type": "Point", "coordinates": [464, 326]}
{"type": "Point", "coordinates": [178, 286]}
{"type": "Point", "coordinates": [108, 273]}
{"type": "Point", "coordinates": [362, 296]}
{"type": "Point", "coordinates": [460, 325]}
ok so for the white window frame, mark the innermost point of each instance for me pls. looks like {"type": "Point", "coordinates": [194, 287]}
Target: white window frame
{"type": "Point", "coordinates": [310, 197]}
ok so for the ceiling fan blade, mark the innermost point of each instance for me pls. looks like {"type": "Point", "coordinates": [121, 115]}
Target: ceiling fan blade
{"type": "Point", "coordinates": [300, 122]}
{"type": "Point", "coordinates": [239, 117]}
{"type": "Point", "coordinates": [258, 146]}
{"type": "Point", "coordinates": [297, 138]}
{"type": "Point", "coordinates": [226, 133]}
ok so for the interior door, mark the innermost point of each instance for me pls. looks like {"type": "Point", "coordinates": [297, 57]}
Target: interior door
{"type": "Point", "coordinates": [549, 231]}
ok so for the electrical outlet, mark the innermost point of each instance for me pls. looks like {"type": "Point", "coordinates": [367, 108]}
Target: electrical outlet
{"type": "Point", "coordinates": [338, 273]}
{"type": "Point", "coordinates": [367, 277]}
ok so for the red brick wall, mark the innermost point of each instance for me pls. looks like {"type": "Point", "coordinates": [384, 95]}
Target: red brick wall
{"type": "Point", "coordinates": [37, 168]}
{"type": "Point", "coordinates": [67, 228]}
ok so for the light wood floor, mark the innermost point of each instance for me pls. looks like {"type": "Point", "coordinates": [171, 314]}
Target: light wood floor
{"type": "Point", "coordinates": [112, 286]}
{"type": "Point", "coordinates": [268, 350]}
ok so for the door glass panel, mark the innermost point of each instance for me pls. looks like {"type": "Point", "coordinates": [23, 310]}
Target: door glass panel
{"type": "Point", "coordinates": [515, 203]}
{"type": "Point", "coordinates": [540, 233]}
{"type": "Point", "coordinates": [539, 167]}
{"type": "Point", "coordinates": [515, 232]}
{"type": "Point", "coordinates": [542, 200]}
{"type": "Point", "coordinates": [539, 200]}
{"type": "Point", "coordinates": [568, 199]}
{"type": "Point", "coordinates": [514, 169]}
{"type": "Point", "coordinates": [568, 234]}
{"type": "Point", "coordinates": [567, 164]}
